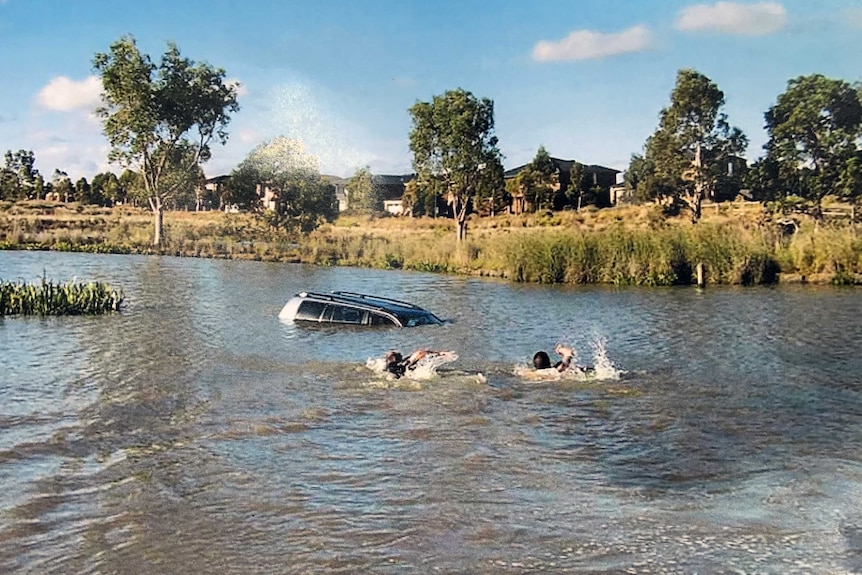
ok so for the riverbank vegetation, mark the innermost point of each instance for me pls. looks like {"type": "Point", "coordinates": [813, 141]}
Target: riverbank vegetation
{"type": "Point", "coordinates": [682, 215]}
{"type": "Point", "coordinates": [735, 242]}
{"type": "Point", "coordinates": [49, 298]}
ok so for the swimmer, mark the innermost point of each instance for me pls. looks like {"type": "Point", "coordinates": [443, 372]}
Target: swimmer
{"type": "Point", "coordinates": [399, 366]}
{"type": "Point", "coordinates": [566, 353]}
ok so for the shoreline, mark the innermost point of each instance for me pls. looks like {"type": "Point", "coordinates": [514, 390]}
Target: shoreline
{"type": "Point", "coordinates": [736, 243]}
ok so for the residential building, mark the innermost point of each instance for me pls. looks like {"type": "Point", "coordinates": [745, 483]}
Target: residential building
{"type": "Point", "coordinates": [599, 176]}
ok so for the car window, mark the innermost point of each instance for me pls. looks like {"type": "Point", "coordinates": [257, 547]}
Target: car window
{"type": "Point", "coordinates": [414, 320]}
{"type": "Point", "coordinates": [309, 310]}
{"type": "Point", "coordinates": [343, 314]}
{"type": "Point", "coordinates": [378, 319]}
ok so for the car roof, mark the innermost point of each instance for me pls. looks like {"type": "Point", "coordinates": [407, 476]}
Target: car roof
{"type": "Point", "coordinates": [368, 301]}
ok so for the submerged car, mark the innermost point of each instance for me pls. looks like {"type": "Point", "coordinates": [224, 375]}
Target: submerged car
{"type": "Point", "coordinates": [354, 309]}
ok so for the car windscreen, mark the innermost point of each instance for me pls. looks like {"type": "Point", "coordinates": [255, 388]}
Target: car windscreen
{"type": "Point", "coordinates": [412, 319]}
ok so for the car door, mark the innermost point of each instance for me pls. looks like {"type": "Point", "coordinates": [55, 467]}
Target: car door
{"type": "Point", "coordinates": [344, 314]}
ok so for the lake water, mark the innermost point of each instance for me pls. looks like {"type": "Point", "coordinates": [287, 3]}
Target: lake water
{"type": "Point", "coordinates": [196, 433]}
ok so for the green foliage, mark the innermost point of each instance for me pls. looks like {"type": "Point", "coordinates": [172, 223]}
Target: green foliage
{"type": "Point", "coordinates": [299, 197]}
{"type": "Point", "coordinates": [49, 298]}
{"type": "Point", "coordinates": [687, 157]}
{"type": "Point", "coordinates": [363, 196]}
{"type": "Point", "coordinates": [814, 130]}
{"type": "Point", "coordinates": [454, 149]}
{"type": "Point", "coordinates": [19, 179]}
{"type": "Point", "coordinates": [639, 257]}
{"type": "Point", "coordinates": [162, 118]}
{"type": "Point", "coordinates": [538, 181]}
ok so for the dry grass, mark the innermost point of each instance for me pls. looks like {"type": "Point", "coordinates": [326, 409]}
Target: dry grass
{"type": "Point", "coordinates": [738, 242]}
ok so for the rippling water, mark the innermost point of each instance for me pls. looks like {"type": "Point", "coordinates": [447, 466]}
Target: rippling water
{"type": "Point", "coordinates": [195, 433]}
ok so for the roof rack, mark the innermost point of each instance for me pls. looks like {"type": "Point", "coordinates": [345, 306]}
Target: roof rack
{"type": "Point", "coordinates": [376, 298]}
{"type": "Point", "coordinates": [365, 300]}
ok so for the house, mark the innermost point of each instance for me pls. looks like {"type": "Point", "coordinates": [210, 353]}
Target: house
{"type": "Point", "coordinates": [598, 177]}
{"type": "Point", "coordinates": [341, 192]}
{"type": "Point", "coordinates": [390, 190]}
{"type": "Point", "coordinates": [215, 188]}
{"type": "Point", "coordinates": [621, 194]}
{"type": "Point", "coordinates": [268, 195]}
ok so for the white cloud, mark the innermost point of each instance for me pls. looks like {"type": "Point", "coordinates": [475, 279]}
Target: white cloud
{"type": "Point", "coordinates": [587, 45]}
{"type": "Point", "coordinates": [733, 18]}
{"type": "Point", "coordinates": [64, 94]}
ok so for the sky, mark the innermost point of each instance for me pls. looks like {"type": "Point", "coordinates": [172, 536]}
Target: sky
{"type": "Point", "coordinates": [586, 79]}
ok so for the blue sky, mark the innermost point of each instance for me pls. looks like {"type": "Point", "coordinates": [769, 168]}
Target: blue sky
{"type": "Point", "coordinates": [584, 78]}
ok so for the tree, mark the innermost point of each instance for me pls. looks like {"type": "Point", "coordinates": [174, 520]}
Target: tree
{"type": "Point", "coordinates": [579, 186]}
{"type": "Point", "coordinates": [491, 191]}
{"type": "Point", "coordinates": [455, 149]}
{"type": "Point", "coordinates": [62, 186]}
{"type": "Point", "coordinates": [814, 128]}
{"type": "Point", "coordinates": [765, 182]}
{"type": "Point", "coordinates": [154, 115]}
{"type": "Point", "coordinates": [131, 186]}
{"type": "Point", "coordinates": [850, 185]}
{"type": "Point", "coordinates": [362, 194]}
{"type": "Point", "coordinates": [693, 145]}
{"type": "Point", "coordinates": [106, 185]}
{"type": "Point", "coordinates": [301, 197]}
{"type": "Point", "coordinates": [84, 192]}
{"type": "Point", "coordinates": [539, 181]}
{"type": "Point", "coordinates": [18, 177]}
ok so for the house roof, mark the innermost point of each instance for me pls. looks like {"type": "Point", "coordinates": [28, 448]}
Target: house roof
{"type": "Point", "coordinates": [382, 179]}
{"type": "Point", "coordinates": [564, 166]}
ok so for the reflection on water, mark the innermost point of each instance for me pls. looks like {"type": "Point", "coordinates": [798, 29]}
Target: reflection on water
{"type": "Point", "coordinates": [196, 433]}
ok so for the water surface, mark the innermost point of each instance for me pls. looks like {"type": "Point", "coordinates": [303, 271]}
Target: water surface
{"type": "Point", "coordinates": [196, 433]}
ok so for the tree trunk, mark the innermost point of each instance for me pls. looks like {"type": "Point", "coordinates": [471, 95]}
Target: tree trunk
{"type": "Point", "coordinates": [461, 216]}
{"type": "Point", "coordinates": [696, 203]}
{"type": "Point", "coordinates": [462, 229]}
{"type": "Point", "coordinates": [698, 184]}
{"type": "Point", "coordinates": [158, 213]}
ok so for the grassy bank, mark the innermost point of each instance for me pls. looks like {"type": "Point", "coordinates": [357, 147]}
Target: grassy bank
{"type": "Point", "coordinates": [736, 243]}
{"type": "Point", "coordinates": [123, 229]}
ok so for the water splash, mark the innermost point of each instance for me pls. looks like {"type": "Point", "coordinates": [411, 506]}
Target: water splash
{"type": "Point", "coordinates": [425, 368]}
{"type": "Point", "coordinates": [603, 369]}
{"type": "Point", "coordinates": [602, 365]}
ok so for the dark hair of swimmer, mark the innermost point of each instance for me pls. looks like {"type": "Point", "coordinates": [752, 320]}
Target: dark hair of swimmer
{"type": "Point", "coordinates": [541, 360]}
{"type": "Point", "coordinates": [395, 363]}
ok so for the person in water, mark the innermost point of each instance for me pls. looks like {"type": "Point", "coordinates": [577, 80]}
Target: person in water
{"type": "Point", "coordinates": [541, 360]}
{"type": "Point", "coordinates": [397, 365]}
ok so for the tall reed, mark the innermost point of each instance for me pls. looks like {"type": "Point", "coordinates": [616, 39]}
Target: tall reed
{"type": "Point", "coordinates": [48, 298]}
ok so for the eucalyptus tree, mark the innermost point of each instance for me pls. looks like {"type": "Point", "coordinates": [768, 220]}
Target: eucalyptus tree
{"type": "Point", "coordinates": [61, 185]}
{"type": "Point", "coordinates": [814, 130]}
{"type": "Point", "coordinates": [691, 149]}
{"type": "Point", "coordinates": [539, 181]}
{"type": "Point", "coordinates": [18, 176]}
{"type": "Point", "coordinates": [107, 186]}
{"type": "Point", "coordinates": [131, 186]}
{"type": "Point", "coordinates": [491, 190]}
{"type": "Point", "coordinates": [419, 200]}
{"type": "Point", "coordinates": [301, 198]}
{"type": "Point", "coordinates": [363, 196]}
{"type": "Point", "coordinates": [84, 192]}
{"type": "Point", "coordinates": [153, 114]}
{"type": "Point", "coordinates": [454, 149]}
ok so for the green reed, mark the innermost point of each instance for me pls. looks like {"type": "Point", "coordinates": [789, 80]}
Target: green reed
{"type": "Point", "coordinates": [48, 298]}
{"type": "Point", "coordinates": [641, 257]}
